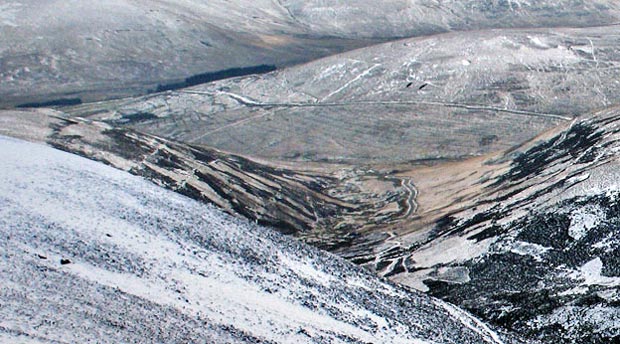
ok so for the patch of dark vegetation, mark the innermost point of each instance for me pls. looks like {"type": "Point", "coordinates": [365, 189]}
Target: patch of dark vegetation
{"type": "Point", "coordinates": [280, 211]}
{"type": "Point", "coordinates": [611, 264]}
{"type": "Point", "coordinates": [492, 231]}
{"type": "Point", "coordinates": [193, 193]}
{"type": "Point", "coordinates": [448, 225]}
{"type": "Point", "coordinates": [316, 183]}
{"type": "Point", "coordinates": [430, 161]}
{"type": "Point", "coordinates": [281, 226]}
{"type": "Point", "coordinates": [204, 78]}
{"type": "Point", "coordinates": [349, 244]}
{"type": "Point", "coordinates": [579, 142]}
{"type": "Point", "coordinates": [444, 223]}
{"type": "Point", "coordinates": [382, 265]}
{"type": "Point", "coordinates": [135, 118]}
{"type": "Point", "coordinates": [511, 290]}
{"type": "Point", "coordinates": [588, 300]}
{"type": "Point", "coordinates": [170, 86]}
{"type": "Point", "coordinates": [549, 230]}
{"type": "Point", "coordinates": [589, 334]}
{"type": "Point", "coordinates": [487, 140]}
{"type": "Point", "coordinates": [154, 176]}
{"type": "Point", "coordinates": [499, 271]}
{"type": "Point", "coordinates": [51, 103]}
{"type": "Point", "coordinates": [510, 300]}
{"type": "Point", "coordinates": [229, 73]}
{"type": "Point", "coordinates": [167, 160]}
{"type": "Point", "coordinates": [556, 331]}
{"type": "Point", "coordinates": [393, 253]}
{"type": "Point", "coordinates": [124, 145]}
{"type": "Point", "coordinates": [525, 306]}
{"type": "Point", "coordinates": [397, 268]}
{"type": "Point", "coordinates": [288, 225]}
{"type": "Point", "coordinates": [359, 260]}
{"type": "Point", "coordinates": [207, 156]}
{"type": "Point", "coordinates": [203, 155]}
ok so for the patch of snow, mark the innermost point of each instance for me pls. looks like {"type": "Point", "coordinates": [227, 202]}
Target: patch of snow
{"type": "Point", "coordinates": [457, 274]}
{"type": "Point", "coordinates": [573, 318]}
{"type": "Point", "coordinates": [602, 180]}
{"type": "Point", "coordinates": [306, 269]}
{"type": "Point", "coordinates": [8, 13]}
{"type": "Point", "coordinates": [537, 42]}
{"type": "Point", "coordinates": [451, 250]}
{"type": "Point", "coordinates": [591, 273]}
{"type": "Point", "coordinates": [529, 249]}
{"type": "Point", "coordinates": [611, 295]}
{"type": "Point", "coordinates": [578, 178]}
{"type": "Point", "coordinates": [584, 219]}
{"type": "Point", "coordinates": [414, 279]}
{"type": "Point", "coordinates": [588, 49]}
{"type": "Point", "coordinates": [578, 290]}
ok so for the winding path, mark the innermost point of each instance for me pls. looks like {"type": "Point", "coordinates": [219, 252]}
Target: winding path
{"type": "Point", "coordinates": [254, 103]}
{"type": "Point", "coordinates": [412, 205]}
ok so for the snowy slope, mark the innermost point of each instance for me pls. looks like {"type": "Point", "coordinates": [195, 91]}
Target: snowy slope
{"type": "Point", "coordinates": [443, 96]}
{"type": "Point", "coordinates": [92, 254]}
{"type": "Point", "coordinates": [416, 17]}
{"type": "Point", "coordinates": [90, 50]}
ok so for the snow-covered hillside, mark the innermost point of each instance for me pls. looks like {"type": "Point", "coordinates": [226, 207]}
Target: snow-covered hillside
{"type": "Point", "coordinates": [92, 254]}
{"type": "Point", "coordinates": [415, 17]}
{"type": "Point", "coordinates": [443, 96]}
{"type": "Point", "coordinates": [78, 49]}
{"type": "Point", "coordinates": [89, 50]}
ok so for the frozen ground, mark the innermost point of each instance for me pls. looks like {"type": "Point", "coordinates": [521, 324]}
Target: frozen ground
{"type": "Point", "coordinates": [92, 254]}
